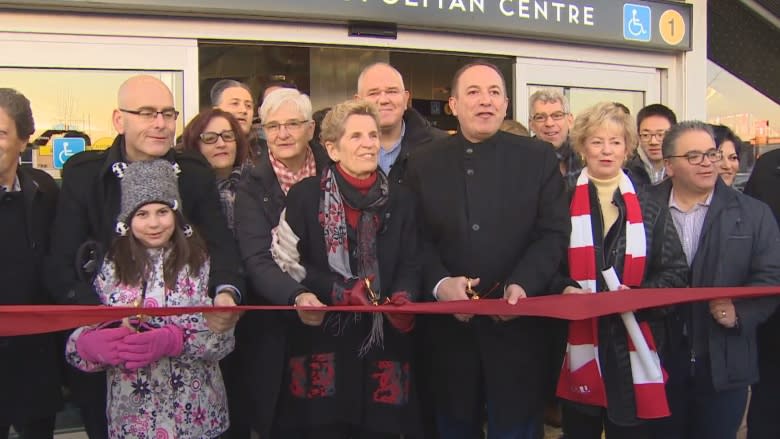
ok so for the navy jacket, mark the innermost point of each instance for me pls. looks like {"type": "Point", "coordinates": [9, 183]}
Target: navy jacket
{"type": "Point", "coordinates": [739, 246]}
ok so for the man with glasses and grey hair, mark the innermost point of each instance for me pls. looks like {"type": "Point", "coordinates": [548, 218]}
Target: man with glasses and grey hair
{"type": "Point", "coordinates": [729, 240]}
{"type": "Point", "coordinates": [145, 119]}
{"type": "Point", "coordinates": [550, 119]}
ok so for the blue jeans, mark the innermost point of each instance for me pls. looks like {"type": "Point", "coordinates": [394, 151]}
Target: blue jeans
{"type": "Point", "coordinates": [451, 428]}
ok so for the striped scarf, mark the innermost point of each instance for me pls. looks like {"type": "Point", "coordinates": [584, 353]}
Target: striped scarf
{"type": "Point", "coordinates": [581, 380]}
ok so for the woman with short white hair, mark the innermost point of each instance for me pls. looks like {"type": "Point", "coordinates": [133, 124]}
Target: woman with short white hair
{"type": "Point", "coordinates": [260, 200]}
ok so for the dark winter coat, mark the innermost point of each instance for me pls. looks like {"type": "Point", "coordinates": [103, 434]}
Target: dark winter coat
{"type": "Point", "coordinates": [495, 210]}
{"type": "Point", "coordinates": [30, 366]}
{"type": "Point", "coordinates": [376, 392]}
{"type": "Point", "coordinates": [763, 185]}
{"type": "Point", "coordinates": [739, 246]}
{"type": "Point", "coordinates": [665, 267]}
{"type": "Point", "coordinates": [419, 134]}
{"type": "Point", "coordinates": [263, 336]}
{"type": "Point", "coordinates": [637, 171]}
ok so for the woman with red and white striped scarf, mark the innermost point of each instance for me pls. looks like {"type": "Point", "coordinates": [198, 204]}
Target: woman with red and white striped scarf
{"type": "Point", "coordinates": [611, 379]}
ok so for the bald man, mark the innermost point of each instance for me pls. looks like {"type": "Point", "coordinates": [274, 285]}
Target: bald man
{"type": "Point", "coordinates": [402, 129]}
{"type": "Point", "coordinates": [145, 120]}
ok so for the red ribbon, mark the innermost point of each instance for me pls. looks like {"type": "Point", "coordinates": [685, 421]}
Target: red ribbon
{"type": "Point", "coordinates": [37, 319]}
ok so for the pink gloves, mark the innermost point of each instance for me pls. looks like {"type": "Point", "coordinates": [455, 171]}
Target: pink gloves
{"type": "Point", "coordinates": [102, 345]}
{"type": "Point", "coordinates": [143, 348]}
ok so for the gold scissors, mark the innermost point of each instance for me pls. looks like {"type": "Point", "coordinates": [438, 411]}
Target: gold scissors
{"type": "Point", "coordinates": [473, 295]}
{"type": "Point", "coordinates": [373, 297]}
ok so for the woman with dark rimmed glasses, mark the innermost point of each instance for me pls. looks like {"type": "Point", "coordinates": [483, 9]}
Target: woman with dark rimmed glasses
{"type": "Point", "coordinates": [218, 137]}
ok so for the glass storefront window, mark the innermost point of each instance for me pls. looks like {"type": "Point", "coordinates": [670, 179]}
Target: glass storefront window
{"type": "Point", "coordinates": [752, 116]}
{"type": "Point", "coordinates": [73, 102]}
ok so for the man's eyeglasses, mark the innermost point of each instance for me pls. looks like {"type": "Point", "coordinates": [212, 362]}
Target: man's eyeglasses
{"type": "Point", "coordinates": [542, 117]}
{"type": "Point", "coordinates": [210, 137]}
{"type": "Point", "coordinates": [293, 126]}
{"type": "Point", "coordinates": [149, 115]}
{"type": "Point", "coordinates": [697, 157]}
{"type": "Point", "coordinates": [646, 136]}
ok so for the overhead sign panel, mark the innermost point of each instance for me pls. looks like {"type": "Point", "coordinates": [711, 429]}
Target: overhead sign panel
{"type": "Point", "coordinates": [651, 25]}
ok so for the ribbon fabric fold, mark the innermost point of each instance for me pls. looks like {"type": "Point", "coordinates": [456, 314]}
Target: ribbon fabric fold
{"type": "Point", "coordinates": [37, 319]}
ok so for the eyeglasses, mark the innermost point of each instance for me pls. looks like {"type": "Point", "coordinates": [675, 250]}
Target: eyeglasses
{"type": "Point", "coordinates": [646, 136]}
{"type": "Point", "coordinates": [149, 115]}
{"type": "Point", "coordinates": [293, 126]}
{"type": "Point", "coordinates": [210, 137]}
{"type": "Point", "coordinates": [697, 157]}
{"type": "Point", "coordinates": [542, 117]}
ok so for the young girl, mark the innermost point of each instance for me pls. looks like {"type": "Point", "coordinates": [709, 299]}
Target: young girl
{"type": "Point", "coordinates": [163, 374]}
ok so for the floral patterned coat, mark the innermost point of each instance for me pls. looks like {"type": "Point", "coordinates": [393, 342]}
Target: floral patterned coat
{"type": "Point", "coordinates": [181, 397]}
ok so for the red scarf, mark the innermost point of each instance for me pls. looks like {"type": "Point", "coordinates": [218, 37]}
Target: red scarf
{"type": "Point", "coordinates": [362, 186]}
{"type": "Point", "coordinates": [581, 380]}
{"type": "Point", "coordinates": [288, 178]}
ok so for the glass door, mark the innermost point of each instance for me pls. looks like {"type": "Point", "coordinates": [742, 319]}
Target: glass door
{"type": "Point", "coordinates": [586, 84]}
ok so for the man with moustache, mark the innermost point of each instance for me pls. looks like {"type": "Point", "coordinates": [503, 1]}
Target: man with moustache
{"type": "Point", "coordinates": [550, 119]}
{"type": "Point", "coordinates": [402, 131]}
{"type": "Point", "coordinates": [145, 119]}
{"type": "Point", "coordinates": [729, 240]}
{"type": "Point", "coordinates": [496, 224]}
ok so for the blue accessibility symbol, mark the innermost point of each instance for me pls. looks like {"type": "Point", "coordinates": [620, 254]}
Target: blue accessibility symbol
{"type": "Point", "coordinates": [65, 147]}
{"type": "Point", "coordinates": [637, 20]}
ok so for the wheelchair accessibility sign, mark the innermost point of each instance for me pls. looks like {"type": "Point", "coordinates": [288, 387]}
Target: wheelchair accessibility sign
{"type": "Point", "coordinates": [637, 21]}
{"type": "Point", "coordinates": [64, 147]}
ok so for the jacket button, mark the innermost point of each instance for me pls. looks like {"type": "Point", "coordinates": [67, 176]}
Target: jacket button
{"type": "Point", "coordinates": [469, 172]}
{"type": "Point", "coordinates": [265, 199]}
{"type": "Point", "coordinates": [475, 227]}
{"type": "Point", "coordinates": [469, 150]}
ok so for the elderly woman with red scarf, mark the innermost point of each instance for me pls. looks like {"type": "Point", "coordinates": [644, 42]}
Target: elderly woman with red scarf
{"type": "Point", "coordinates": [348, 375]}
{"type": "Point", "coordinates": [611, 379]}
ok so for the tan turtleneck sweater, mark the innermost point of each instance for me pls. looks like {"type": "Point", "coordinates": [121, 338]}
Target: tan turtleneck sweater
{"type": "Point", "coordinates": [606, 191]}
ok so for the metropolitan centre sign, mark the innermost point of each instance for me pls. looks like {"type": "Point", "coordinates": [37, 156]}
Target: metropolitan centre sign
{"type": "Point", "coordinates": [650, 25]}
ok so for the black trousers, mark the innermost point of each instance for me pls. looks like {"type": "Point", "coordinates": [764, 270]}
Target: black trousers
{"type": "Point", "coordinates": [38, 429]}
{"type": "Point", "coordinates": [580, 425]}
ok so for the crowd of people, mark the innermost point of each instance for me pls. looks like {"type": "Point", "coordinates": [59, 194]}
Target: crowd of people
{"type": "Point", "coordinates": [367, 203]}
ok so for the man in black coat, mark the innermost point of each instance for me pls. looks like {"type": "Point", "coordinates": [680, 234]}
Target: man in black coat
{"type": "Point", "coordinates": [30, 366]}
{"type": "Point", "coordinates": [495, 219]}
{"type": "Point", "coordinates": [402, 131]}
{"type": "Point", "coordinates": [89, 202]}
{"type": "Point", "coordinates": [729, 240]}
{"type": "Point", "coordinates": [763, 421]}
